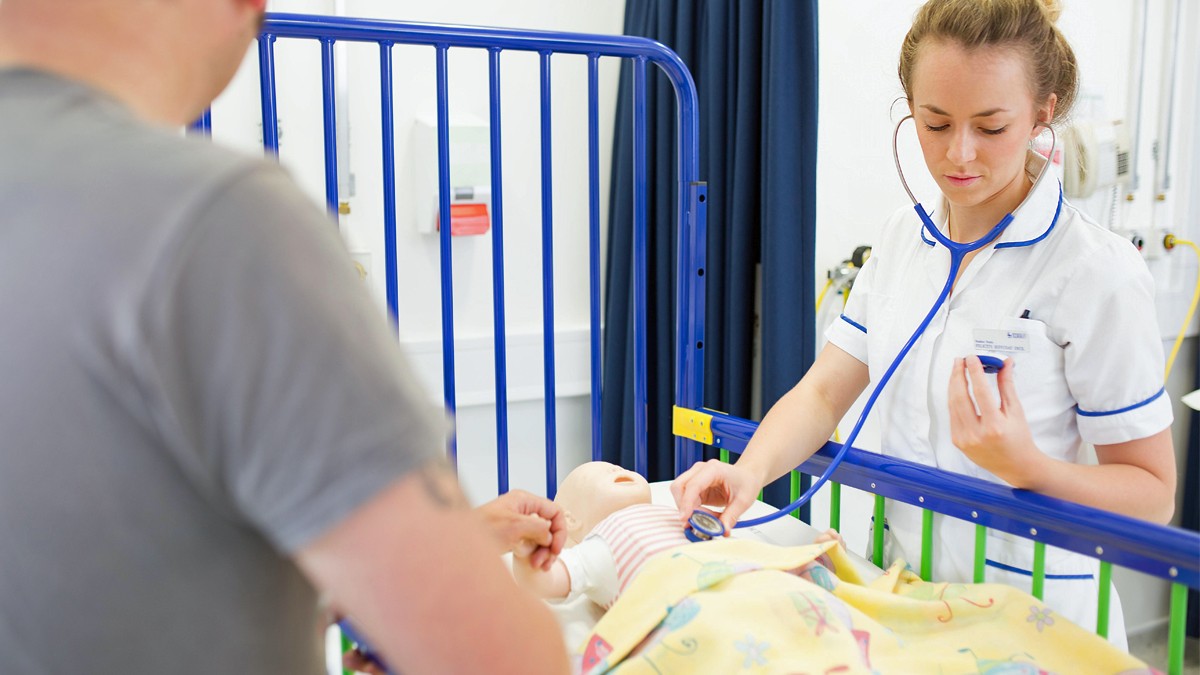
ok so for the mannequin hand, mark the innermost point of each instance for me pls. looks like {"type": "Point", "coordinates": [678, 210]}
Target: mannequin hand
{"type": "Point", "coordinates": [715, 483]}
{"type": "Point", "coordinates": [830, 535]}
{"type": "Point", "coordinates": [996, 438]}
{"type": "Point", "coordinates": [530, 526]}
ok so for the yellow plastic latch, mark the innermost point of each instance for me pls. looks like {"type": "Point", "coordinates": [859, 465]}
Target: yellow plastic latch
{"type": "Point", "coordinates": [693, 424]}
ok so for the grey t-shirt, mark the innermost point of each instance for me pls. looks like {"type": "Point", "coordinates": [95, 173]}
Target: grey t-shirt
{"type": "Point", "coordinates": [193, 385]}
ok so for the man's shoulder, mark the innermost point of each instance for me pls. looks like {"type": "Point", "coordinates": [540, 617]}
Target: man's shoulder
{"type": "Point", "coordinates": [82, 138]}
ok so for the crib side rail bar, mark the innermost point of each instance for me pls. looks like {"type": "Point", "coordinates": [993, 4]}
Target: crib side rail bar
{"type": "Point", "coordinates": [280, 24]}
{"type": "Point", "coordinates": [689, 212]}
{"type": "Point", "coordinates": [1166, 552]}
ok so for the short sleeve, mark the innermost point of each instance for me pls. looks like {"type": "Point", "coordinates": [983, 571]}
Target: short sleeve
{"type": "Point", "coordinates": [849, 330]}
{"type": "Point", "coordinates": [276, 376]}
{"type": "Point", "coordinates": [1113, 356]}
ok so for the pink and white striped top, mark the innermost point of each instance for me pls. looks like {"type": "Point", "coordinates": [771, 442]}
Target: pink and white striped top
{"type": "Point", "coordinates": [636, 533]}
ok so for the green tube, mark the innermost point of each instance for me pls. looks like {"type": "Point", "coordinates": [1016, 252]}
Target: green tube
{"type": "Point", "coordinates": [1104, 599]}
{"type": "Point", "coordinates": [877, 543]}
{"type": "Point", "coordinates": [725, 456]}
{"type": "Point", "coordinates": [980, 552]}
{"type": "Point", "coordinates": [1179, 599]}
{"type": "Point", "coordinates": [1039, 569]}
{"type": "Point", "coordinates": [926, 544]}
{"type": "Point", "coordinates": [795, 492]}
{"type": "Point", "coordinates": [835, 506]}
{"type": "Point", "coordinates": [347, 645]}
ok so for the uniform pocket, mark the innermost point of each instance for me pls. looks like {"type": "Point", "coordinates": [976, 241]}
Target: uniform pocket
{"type": "Point", "coordinates": [1013, 555]}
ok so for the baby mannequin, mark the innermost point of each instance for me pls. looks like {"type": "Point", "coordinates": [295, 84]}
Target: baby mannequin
{"type": "Point", "coordinates": [612, 529]}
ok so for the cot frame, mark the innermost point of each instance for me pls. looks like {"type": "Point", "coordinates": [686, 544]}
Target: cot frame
{"type": "Point", "coordinates": [1165, 552]}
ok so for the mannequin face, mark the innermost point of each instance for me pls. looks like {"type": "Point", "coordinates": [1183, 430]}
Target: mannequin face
{"type": "Point", "coordinates": [596, 490]}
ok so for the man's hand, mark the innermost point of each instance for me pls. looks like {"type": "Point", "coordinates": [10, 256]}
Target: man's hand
{"type": "Point", "coordinates": [532, 527]}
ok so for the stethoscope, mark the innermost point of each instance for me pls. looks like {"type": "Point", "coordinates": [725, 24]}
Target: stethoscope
{"type": "Point", "coordinates": [703, 525]}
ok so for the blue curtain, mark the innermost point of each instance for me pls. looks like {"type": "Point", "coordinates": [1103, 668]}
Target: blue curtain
{"type": "Point", "coordinates": [755, 66]}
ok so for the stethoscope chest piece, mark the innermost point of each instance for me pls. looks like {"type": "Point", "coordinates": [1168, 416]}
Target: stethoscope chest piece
{"type": "Point", "coordinates": [703, 526]}
{"type": "Point", "coordinates": [991, 364]}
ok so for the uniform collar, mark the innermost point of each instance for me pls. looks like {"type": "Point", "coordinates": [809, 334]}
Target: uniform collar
{"type": "Point", "coordinates": [1033, 222]}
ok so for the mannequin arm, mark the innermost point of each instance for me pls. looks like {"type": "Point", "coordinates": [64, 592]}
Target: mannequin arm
{"type": "Point", "coordinates": [551, 584]}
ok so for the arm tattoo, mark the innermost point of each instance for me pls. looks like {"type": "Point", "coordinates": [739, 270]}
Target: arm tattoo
{"type": "Point", "coordinates": [441, 485]}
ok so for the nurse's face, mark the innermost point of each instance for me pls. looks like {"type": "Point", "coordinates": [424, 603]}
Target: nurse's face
{"type": "Point", "coordinates": [975, 116]}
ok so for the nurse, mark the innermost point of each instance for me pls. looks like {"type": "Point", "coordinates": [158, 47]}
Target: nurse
{"type": "Point", "coordinates": [1068, 305]}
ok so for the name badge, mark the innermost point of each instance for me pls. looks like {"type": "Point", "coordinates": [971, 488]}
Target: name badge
{"type": "Point", "coordinates": [1001, 341]}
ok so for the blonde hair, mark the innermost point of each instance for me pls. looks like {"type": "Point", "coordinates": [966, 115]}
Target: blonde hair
{"type": "Point", "coordinates": [1026, 25]}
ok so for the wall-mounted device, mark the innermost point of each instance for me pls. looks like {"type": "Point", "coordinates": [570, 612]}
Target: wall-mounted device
{"type": "Point", "coordinates": [1096, 154]}
{"type": "Point", "coordinates": [470, 177]}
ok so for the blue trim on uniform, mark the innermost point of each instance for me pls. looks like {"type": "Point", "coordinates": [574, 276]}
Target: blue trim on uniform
{"type": "Point", "coordinates": [1031, 242]}
{"type": "Point", "coordinates": [1018, 570]}
{"type": "Point", "coordinates": [852, 323]}
{"type": "Point", "coordinates": [1126, 409]}
{"type": "Point", "coordinates": [1017, 244]}
{"type": "Point", "coordinates": [925, 239]}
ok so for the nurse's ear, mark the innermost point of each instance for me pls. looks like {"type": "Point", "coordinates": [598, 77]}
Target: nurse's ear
{"type": "Point", "coordinates": [1044, 115]}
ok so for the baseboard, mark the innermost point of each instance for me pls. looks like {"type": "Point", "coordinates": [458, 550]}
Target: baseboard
{"type": "Point", "coordinates": [1155, 626]}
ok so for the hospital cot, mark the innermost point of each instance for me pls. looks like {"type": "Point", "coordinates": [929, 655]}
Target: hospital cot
{"type": "Point", "coordinates": [1168, 553]}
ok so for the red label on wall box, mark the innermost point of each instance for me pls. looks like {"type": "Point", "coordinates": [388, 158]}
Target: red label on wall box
{"type": "Point", "coordinates": [467, 220]}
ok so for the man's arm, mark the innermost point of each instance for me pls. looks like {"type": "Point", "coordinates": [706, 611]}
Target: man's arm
{"type": "Point", "coordinates": [418, 573]}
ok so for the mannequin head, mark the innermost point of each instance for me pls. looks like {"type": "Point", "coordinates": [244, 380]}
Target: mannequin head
{"type": "Point", "coordinates": [593, 492]}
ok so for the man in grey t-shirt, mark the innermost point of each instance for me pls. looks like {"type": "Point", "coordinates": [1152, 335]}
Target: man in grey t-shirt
{"type": "Point", "coordinates": [204, 421]}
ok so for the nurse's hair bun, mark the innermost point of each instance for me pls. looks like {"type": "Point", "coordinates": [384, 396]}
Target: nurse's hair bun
{"type": "Point", "coordinates": [1053, 9]}
{"type": "Point", "coordinates": [1026, 25]}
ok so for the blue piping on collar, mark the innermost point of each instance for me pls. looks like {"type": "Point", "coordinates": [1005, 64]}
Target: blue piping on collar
{"type": "Point", "coordinates": [1017, 244]}
{"type": "Point", "coordinates": [925, 238]}
{"type": "Point", "coordinates": [1031, 242]}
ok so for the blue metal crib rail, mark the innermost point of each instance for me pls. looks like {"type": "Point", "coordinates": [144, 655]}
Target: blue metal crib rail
{"type": "Point", "coordinates": [1169, 553]}
{"type": "Point", "coordinates": [689, 209]}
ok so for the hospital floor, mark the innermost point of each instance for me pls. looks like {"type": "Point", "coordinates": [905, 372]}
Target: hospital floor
{"type": "Point", "coordinates": [1151, 647]}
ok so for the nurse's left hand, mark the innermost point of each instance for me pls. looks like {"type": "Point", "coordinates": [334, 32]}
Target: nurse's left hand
{"type": "Point", "coordinates": [997, 435]}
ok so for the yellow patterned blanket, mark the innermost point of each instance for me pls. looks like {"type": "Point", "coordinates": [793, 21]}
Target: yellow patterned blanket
{"type": "Point", "coordinates": [739, 606]}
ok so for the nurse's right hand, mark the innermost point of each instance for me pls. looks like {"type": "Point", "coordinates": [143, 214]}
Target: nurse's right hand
{"type": "Point", "coordinates": [716, 484]}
